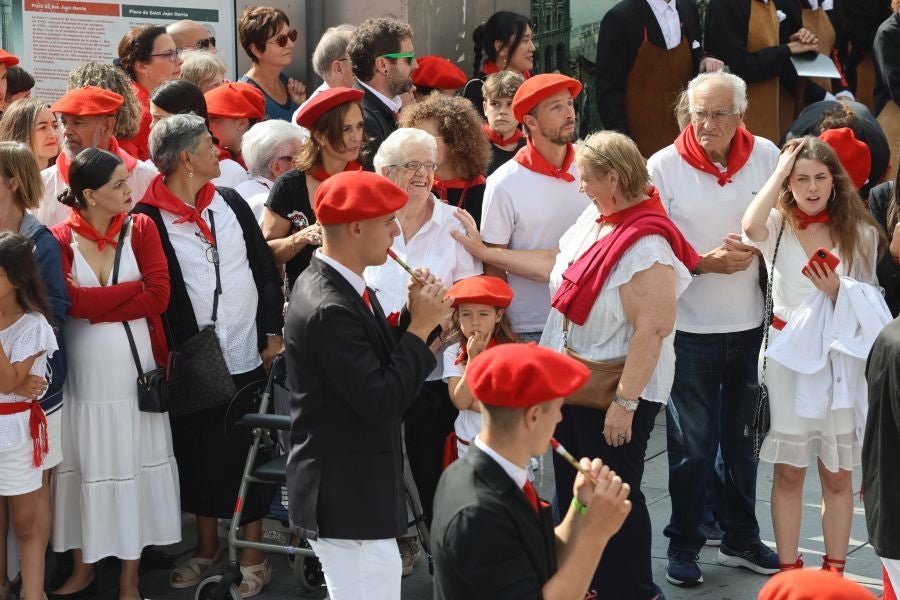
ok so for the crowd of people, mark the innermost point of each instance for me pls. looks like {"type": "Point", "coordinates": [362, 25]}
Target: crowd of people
{"type": "Point", "coordinates": [725, 250]}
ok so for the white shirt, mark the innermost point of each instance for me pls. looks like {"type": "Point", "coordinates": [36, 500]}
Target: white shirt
{"type": "Point", "coordinates": [303, 130]}
{"type": "Point", "coordinates": [236, 317]}
{"type": "Point", "coordinates": [824, 4]}
{"type": "Point", "coordinates": [666, 14]}
{"type": "Point", "coordinates": [255, 192]}
{"type": "Point", "coordinates": [468, 423]}
{"type": "Point", "coordinates": [432, 247]}
{"type": "Point", "coordinates": [231, 174]}
{"type": "Point", "coordinates": [705, 212]}
{"type": "Point", "coordinates": [394, 103]}
{"type": "Point", "coordinates": [529, 211]}
{"type": "Point", "coordinates": [518, 474]}
{"type": "Point", "coordinates": [607, 332]}
{"type": "Point", "coordinates": [357, 282]}
{"type": "Point", "coordinates": [51, 211]}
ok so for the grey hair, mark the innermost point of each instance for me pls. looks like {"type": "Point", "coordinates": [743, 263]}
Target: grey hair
{"type": "Point", "coordinates": [265, 142]}
{"type": "Point", "coordinates": [738, 85]}
{"type": "Point", "coordinates": [332, 46]}
{"type": "Point", "coordinates": [200, 66]}
{"type": "Point", "coordinates": [172, 136]}
{"type": "Point", "coordinates": [394, 150]}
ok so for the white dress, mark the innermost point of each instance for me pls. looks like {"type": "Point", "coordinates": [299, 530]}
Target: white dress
{"type": "Point", "coordinates": [116, 490]}
{"type": "Point", "coordinates": [792, 439]}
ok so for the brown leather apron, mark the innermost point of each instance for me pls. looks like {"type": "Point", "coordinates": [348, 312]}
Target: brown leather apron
{"type": "Point", "coordinates": [651, 91]}
{"type": "Point", "coordinates": [865, 82]}
{"type": "Point", "coordinates": [818, 23]}
{"type": "Point", "coordinates": [889, 119]}
{"type": "Point", "coordinates": [762, 116]}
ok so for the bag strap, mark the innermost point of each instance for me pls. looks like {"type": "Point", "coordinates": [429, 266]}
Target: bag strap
{"type": "Point", "coordinates": [767, 320]}
{"type": "Point", "coordinates": [115, 279]}
{"type": "Point", "coordinates": [215, 254]}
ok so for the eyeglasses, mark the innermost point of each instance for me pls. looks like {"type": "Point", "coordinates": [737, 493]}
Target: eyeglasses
{"type": "Point", "coordinates": [212, 253]}
{"type": "Point", "coordinates": [282, 40]}
{"type": "Point", "coordinates": [205, 44]}
{"type": "Point", "coordinates": [716, 116]}
{"type": "Point", "coordinates": [170, 55]}
{"type": "Point", "coordinates": [415, 165]}
{"type": "Point", "coordinates": [409, 56]}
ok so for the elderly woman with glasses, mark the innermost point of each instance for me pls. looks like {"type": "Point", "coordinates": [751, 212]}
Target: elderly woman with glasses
{"type": "Point", "coordinates": [149, 56]}
{"type": "Point", "coordinates": [615, 279]}
{"type": "Point", "coordinates": [269, 149]}
{"type": "Point", "coordinates": [408, 157]}
{"type": "Point", "coordinates": [267, 38]}
{"type": "Point", "coordinates": [192, 217]}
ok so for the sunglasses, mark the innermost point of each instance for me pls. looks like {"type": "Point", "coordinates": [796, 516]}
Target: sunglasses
{"type": "Point", "coordinates": [282, 40]}
{"type": "Point", "coordinates": [205, 44]}
{"type": "Point", "coordinates": [409, 56]}
{"type": "Point", "coordinates": [171, 55]}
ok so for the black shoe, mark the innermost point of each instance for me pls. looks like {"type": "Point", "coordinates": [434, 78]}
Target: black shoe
{"type": "Point", "coordinates": [154, 557]}
{"type": "Point", "coordinates": [85, 593]}
{"type": "Point", "coordinates": [712, 532]}
{"type": "Point", "coordinates": [757, 557]}
{"type": "Point", "coordinates": [683, 569]}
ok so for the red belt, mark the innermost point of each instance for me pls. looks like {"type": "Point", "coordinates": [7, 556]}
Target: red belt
{"type": "Point", "coordinates": [37, 424]}
{"type": "Point", "coordinates": [777, 323]}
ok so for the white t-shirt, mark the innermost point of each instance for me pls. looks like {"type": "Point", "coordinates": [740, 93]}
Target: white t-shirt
{"type": "Point", "coordinates": [468, 423]}
{"type": "Point", "coordinates": [232, 174]}
{"type": "Point", "coordinates": [706, 212]}
{"type": "Point", "coordinates": [255, 192]}
{"type": "Point", "coordinates": [529, 211]}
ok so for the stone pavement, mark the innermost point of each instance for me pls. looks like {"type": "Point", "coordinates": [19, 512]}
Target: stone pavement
{"type": "Point", "coordinates": [720, 583]}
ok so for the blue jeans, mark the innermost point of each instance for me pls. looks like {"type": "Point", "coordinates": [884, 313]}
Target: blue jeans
{"type": "Point", "coordinates": [714, 373]}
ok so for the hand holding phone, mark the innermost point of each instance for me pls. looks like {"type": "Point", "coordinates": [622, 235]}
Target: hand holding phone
{"type": "Point", "coordinates": [821, 257]}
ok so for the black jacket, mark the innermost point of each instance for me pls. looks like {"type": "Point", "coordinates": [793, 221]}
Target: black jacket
{"type": "Point", "coordinates": [379, 122]}
{"type": "Point", "coordinates": [488, 542]}
{"type": "Point", "coordinates": [350, 383]}
{"type": "Point", "coordinates": [886, 48]}
{"type": "Point", "coordinates": [887, 270]}
{"type": "Point", "coordinates": [621, 35]}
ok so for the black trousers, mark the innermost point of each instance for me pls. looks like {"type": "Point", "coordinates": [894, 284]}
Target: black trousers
{"type": "Point", "coordinates": [624, 570]}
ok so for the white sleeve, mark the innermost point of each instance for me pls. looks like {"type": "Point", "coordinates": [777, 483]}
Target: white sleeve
{"type": "Point", "coordinates": [451, 369]}
{"type": "Point", "coordinates": [35, 335]}
{"type": "Point", "coordinates": [498, 215]}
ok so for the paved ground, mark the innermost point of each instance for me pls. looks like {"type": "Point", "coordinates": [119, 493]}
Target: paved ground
{"type": "Point", "coordinates": [721, 583]}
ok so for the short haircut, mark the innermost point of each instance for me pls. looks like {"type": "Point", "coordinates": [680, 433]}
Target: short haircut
{"type": "Point", "coordinates": [257, 24]}
{"type": "Point", "coordinates": [172, 136]}
{"type": "Point", "coordinates": [504, 84]}
{"type": "Point", "coordinates": [17, 160]}
{"type": "Point", "coordinates": [738, 86]}
{"type": "Point", "coordinates": [393, 151]}
{"type": "Point", "coordinates": [18, 80]}
{"type": "Point", "coordinates": [606, 151]}
{"type": "Point", "coordinates": [200, 66]}
{"type": "Point", "coordinates": [108, 77]}
{"type": "Point", "coordinates": [332, 46]}
{"type": "Point", "coordinates": [265, 142]}
{"type": "Point", "coordinates": [374, 38]}
{"type": "Point", "coordinates": [137, 46]}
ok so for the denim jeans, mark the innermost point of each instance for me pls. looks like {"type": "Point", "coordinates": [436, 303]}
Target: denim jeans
{"type": "Point", "coordinates": [714, 373]}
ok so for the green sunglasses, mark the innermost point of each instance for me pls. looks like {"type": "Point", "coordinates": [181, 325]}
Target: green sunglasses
{"type": "Point", "coordinates": [409, 56]}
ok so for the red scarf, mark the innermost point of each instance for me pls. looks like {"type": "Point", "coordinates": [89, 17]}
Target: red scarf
{"type": "Point", "coordinates": [806, 220]}
{"type": "Point", "coordinates": [489, 67]}
{"type": "Point", "coordinates": [653, 204]}
{"type": "Point", "coordinates": [529, 157]}
{"type": "Point", "coordinates": [494, 137]}
{"type": "Point", "coordinates": [692, 152]}
{"type": "Point", "coordinates": [79, 225]}
{"type": "Point", "coordinates": [320, 174]}
{"type": "Point", "coordinates": [161, 197]}
{"type": "Point", "coordinates": [37, 423]}
{"type": "Point", "coordinates": [584, 279]}
{"type": "Point", "coordinates": [63, 161]}
{"type": "Point", "coordinates": [441, 186]}
{"type": "Point", "coordinates": [225, 154]}
{"type": "Point", "coordinates": [463, 356]}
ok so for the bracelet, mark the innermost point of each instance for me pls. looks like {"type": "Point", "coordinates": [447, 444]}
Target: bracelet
{"type": "Point", "coordinates": [578, 506]}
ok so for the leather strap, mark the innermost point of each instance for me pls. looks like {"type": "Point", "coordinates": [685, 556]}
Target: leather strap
{"type": "Point", "coordinates": [115, 280]}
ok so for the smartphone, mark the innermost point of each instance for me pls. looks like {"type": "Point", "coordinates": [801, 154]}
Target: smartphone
{"type": "Point", "coordinates": [822, 257]}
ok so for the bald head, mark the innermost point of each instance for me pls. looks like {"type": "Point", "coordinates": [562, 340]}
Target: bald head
{"type": "Point", "coordinates": [188, 34]}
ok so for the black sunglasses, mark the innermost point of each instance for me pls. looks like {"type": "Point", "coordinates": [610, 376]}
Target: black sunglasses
{"type": "Point", "coordinates": [205, 44]}
{"type": "Point", "coordinates": [282, 40]}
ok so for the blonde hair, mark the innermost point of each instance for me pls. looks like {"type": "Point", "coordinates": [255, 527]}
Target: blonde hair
{"type": "Point", "coordinates": [504, 84]}
{"type": "Point", "coordinates": [17, 160]}
{"type": "Point", "coordinates": [200, 66]}
{"type": "Point", "coordinates": [605, 151]}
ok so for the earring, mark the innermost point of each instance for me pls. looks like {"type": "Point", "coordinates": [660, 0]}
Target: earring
{"type": "Point", "coordinates": [833, 195]}
{"type": "Point", "coordinates": [93, 204]}
{"type": "Point", "coordinates": [190, 173]}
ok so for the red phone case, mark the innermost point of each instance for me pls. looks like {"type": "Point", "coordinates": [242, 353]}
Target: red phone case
{"type": "Point", "coordinates": [822, 257]}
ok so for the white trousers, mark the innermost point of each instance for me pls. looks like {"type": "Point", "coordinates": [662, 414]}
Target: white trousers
{"type": "Point", "coordinates": [893, 570]}
{"type": "Point", "coordinates": [360, 569]}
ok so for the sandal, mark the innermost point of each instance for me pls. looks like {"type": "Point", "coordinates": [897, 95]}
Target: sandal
{"type": "Point", "coordinates": [834, 565]}
{"type": "Point", "coordinates": [195, 570]}
{"type": "Point", "coordinates": [256, 577]}
{"type": "Point", "coordinates": [792, 566]}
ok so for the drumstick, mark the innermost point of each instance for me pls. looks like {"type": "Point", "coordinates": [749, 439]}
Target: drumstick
{"type": "Point", "coordinates": [560, 449]}
{"type": "Point", "coordinates": [405, 267]}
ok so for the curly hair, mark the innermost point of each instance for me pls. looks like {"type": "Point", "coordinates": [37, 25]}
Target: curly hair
{"type": "Point", "coordinates": [137, 46]}
{"type": "Point", "coordinates": [848, 216]}
{"type": "Point", "coordinates": [374, 38]}
{"type": "Point", "coordinates": [111, 78]}
{"type": "Point", "coordinates": [468, 151]}
{"type": "Point", "coordinates": [840, 116]}
{"type": "Point", "coordinates": [257, 24]}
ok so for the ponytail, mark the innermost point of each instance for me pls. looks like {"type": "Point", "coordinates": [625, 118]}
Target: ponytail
{"type": "Point", "coordinates": [478, 38]}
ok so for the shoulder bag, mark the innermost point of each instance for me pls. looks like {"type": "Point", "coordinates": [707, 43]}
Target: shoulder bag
{"type": "Point", "coordinates": [600, 390]}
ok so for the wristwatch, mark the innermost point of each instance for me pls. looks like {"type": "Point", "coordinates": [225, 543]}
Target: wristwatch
{"type": "Point", "coordinates": [629, 405]}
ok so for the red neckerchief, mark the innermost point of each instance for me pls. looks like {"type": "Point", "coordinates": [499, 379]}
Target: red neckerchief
{"type": "Point", "coordinates": [161, 197]}
{"type": "Point", "coordinates": [37, 423]}
{"type": "Point", "coordinates": [653, 203]}
{"type": "Point", "coordinates": [806, 220]}
{"type": "Point", "coordinates": [584, 279]}
{"type": "Point", "coordinates": [441, 186]}
{"type": "Point", "coordinates": [691, 151]}
{"type": "Point", "coordinates": [463, 356]}
{"type": "Point", "coordinates": [320, 174]}
{"type": "Point", "coordinates": [489, 67]}
{"type": "Point", "coordinates": [494, 137]}
{"type": "Point", "coordinates": [529, 157]}
{"type": "Point", "coordinates": [79, 225]}
{"type": "Point", "coordinates": [225, 154]}
{"type": "Point", "coordinates": [63, 161]}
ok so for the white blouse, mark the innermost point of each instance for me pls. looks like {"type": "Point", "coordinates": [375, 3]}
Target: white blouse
{"type": "Point", "coordinates": [607, 333]}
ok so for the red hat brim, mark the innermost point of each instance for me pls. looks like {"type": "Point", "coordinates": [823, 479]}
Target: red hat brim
{"type": "Point", "coordinates": [324, 101]}
{"type": "Point", "coordinates": [539, 88]}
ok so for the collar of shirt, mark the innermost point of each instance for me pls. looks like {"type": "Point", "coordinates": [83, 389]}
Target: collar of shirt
{"type": "Point", "coordinates": [437, 219]}
{"type": "Point", "coordinates": [265, 182]}
{"type": "Point", "coordinates": [358, 283]}
{"type": "Point", "coordinates": [395, 103]}
{"type": "Point", "coordinates": [666, 14]}
{"type": "Point", "coordinates": [823, 4]}
{"type": "Point", "coordinates": [517, 473]}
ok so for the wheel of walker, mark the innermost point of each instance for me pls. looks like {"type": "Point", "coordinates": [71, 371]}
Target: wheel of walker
{"type": "Point", "coordinates": [307, 569]}
{"type": "Point", "coordinates": [207, 590]}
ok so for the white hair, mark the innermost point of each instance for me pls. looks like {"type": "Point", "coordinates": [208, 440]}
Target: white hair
{"type": "Point", "coordinates": [332, 46]}
{"type": "Point", "coordinates": [265, 142]}
{"type": "Point", "coordinates": [738, 86]}
{"type": "Point", "coordinates": [395, 149]}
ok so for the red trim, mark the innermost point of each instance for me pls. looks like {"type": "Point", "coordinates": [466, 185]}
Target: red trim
{"type": "Point", "coordinates": [778, 323]}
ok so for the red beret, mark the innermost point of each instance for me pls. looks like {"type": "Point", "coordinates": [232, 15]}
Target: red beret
{"type": "Point", "coordinates": [522, 375]}
{"type": "Point", "coordinates": [8, 59]}
{"type": "Point", "coordinates": [541, 87]}
{"type": "Point", "coordinates": [438, 73]}
{"type": "Point", "coordinates": [236, 101]}
{"type": "Point", "coordinates": [481, 289]}
{"type": "Point", "coordinates": [356, 196]}
{"type": "Point", "coordinates": [88, 101]}
{"type": "Point", "coordinates": [812, 584]}
{"type": "Point", "coordinates": [853, 154]}
{"type": "Point", "coordinates": [324, 101]}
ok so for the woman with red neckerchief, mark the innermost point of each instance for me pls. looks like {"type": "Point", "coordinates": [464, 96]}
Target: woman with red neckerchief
{"type": "Point", "coordinates": [807, 204]}
{"type": "Point", "coordinates": [334, 119]}
{"type": "Point", "coordinates": [505, 39]}
{"type": "Point", "coordinates": [463, 153]}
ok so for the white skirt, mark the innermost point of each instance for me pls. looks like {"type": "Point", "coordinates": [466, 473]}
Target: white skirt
{"type": "Point", "coordinates": [18, 475]}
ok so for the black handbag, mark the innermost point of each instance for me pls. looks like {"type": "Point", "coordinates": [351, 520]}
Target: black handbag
{"type": "Point", "coordinates": [204, 363]}
{"type": "Point", "coordinates": [761, 416]}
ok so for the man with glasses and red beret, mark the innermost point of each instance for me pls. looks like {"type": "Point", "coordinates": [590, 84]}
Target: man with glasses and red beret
{"type": "Point", "coordinates": [383, 59]}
